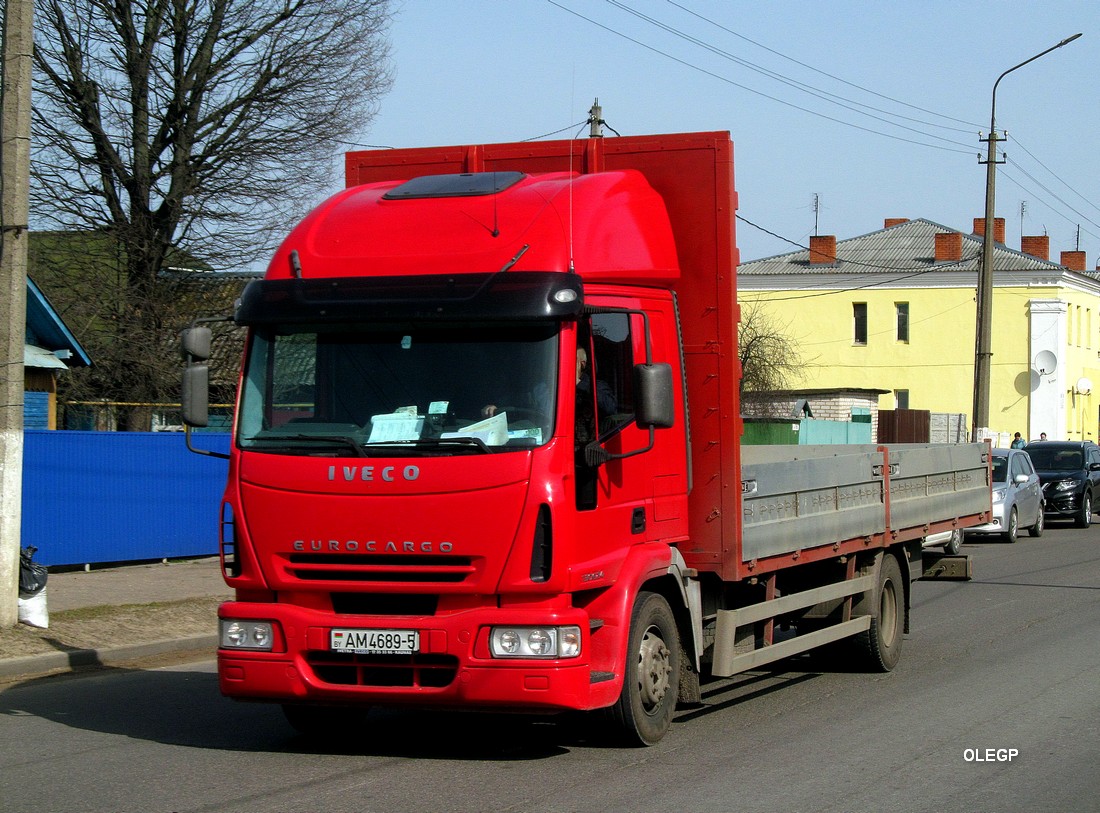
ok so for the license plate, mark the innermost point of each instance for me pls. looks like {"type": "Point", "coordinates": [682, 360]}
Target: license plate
{"type": "Point", "coordinates": [374, 642]}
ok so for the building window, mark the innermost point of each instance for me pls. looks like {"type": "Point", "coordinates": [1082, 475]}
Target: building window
{"type": "Point", "coordinates": [902, 309]}
{"type": "Point", "coordinates": [901, 399]}
{"type": "Point", "coordinates": [859, 319]}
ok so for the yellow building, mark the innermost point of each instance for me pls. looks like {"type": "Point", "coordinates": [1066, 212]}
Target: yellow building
{"type": "Point", "coordinates": [895, 310]}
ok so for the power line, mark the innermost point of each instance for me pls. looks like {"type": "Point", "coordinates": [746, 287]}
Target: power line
{"type": "Point", "coordinates": [825, 73]}
{"type": "Point", "coordinates": [755, 92]}
{"type": "Point", "coordinates": [1052, 194]}
{"type": "Point", "coordinates": [824, 95]}
{"type": "Point", "coordinates": [908, 273]}
{"type": "Point", "coordinates": [1053, 174]}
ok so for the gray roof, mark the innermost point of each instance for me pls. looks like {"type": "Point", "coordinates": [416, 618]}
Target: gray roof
{"type": "Point", "coordinates": [908, 246]}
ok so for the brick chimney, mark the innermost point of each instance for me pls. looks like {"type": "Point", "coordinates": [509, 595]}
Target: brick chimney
{"type": "Point", "coordinates": [823, 249]}
{"type": "Point", "coordinates": [949, 246]}
{"type": "Point", "coordinates": [998, 228]}
{"type": "Point", "coordinates": [1037, 245]}
{"type": "Point", "coordinates": [1074, 260]}
{"type": "Point", "coordinates": [894, 221]}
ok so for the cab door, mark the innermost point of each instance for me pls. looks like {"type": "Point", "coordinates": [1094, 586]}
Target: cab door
{"type": "Point", "coordinates": [635, 496]}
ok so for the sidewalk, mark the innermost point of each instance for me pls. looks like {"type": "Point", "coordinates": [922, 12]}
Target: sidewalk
{"type": "Point", "coordinates": [116, 615]}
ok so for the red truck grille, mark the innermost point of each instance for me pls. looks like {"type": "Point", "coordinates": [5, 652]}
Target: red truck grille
{"type": "Point", "coordinates": [412, 671]}
{"type": "Point", "coordinates": [335, 567]}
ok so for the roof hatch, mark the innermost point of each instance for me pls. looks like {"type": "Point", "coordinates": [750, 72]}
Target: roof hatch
{"type": "Point", "coordinates": [465, 185]}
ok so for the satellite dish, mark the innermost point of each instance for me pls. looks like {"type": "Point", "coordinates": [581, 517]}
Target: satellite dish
{"type": "Point", "coordinates": [1046, 362]}
{"type": "Point", "coordinates": [1084, 386]}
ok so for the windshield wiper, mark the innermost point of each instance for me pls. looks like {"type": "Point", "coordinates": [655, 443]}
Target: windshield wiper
{"type": "Point", "coordinates": [434, 443]}
{"type": "Point", "coordinates": [332, 440]}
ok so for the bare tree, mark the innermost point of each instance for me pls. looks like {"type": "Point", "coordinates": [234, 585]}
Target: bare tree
{"type": "Point", "coordinates": [200, 127]}
{"type": "Point", "coordinates": [770, 359]}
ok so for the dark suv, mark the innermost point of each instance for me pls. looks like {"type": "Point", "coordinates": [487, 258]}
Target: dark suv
{"type": "Point", "coordinates": [1070, 473]}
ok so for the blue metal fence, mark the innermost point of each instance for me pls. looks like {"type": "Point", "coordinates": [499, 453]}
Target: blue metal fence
{"type": "Point", "coordinates": [91, 497]}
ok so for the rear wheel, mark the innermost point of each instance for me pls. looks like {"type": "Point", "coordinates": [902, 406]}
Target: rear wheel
{"type": "Point", "coordinates": [1084, 513]}
{"type": "Point", "coordinates": [1012, 527]}
{"type": "Point", "coordinates": [643, 713]}
{"type": "Point", "coordinates": [880, 646]}
{"type": "Point", "coordinates": [1040, 523]}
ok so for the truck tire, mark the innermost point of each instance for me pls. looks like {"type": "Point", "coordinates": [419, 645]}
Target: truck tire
{"type": "Point", "coordinates": [1084, 513]}
{"type": "Point", "coordinates": [880, 647]}
{"type": "Point", "coordinates": [643, 713]}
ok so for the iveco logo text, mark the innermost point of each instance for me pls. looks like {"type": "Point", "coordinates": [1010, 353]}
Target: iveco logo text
{"type": "Point", "coordinates": [372, 546]}
{"type": "Point", "coordinates": [368, 473]}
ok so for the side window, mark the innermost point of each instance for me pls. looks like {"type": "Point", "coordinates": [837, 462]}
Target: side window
{"type": "Point", "coordinates": [613, 372]}
{"type": "Point", "coordinates": [1017, 467]}
{"type": "Point", "coordinates": [605, 392]}
{"type": "Point", "coordinates": [1025, 465]}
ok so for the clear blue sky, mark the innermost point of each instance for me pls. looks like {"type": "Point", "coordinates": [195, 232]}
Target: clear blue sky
{"type": "Point", "coordinates": [875, 108]}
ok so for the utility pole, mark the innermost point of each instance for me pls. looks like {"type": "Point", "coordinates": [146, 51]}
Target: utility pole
{"type": "Point", "coordinates": [595, 120]}
{"type": "Point", "coordinates": [983, 331]}
{"type": "Point", "coordinates": [15, 144]}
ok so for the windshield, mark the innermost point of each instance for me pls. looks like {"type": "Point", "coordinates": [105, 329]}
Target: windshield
{"type": "Point", "coordinates": [1000, 469]}
{"type": "Point", "coordinates": [399, 391]}
{"type": "Point", "coordinates": [1055, 459]}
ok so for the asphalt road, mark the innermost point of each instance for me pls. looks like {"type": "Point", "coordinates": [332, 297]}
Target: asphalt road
{"type": "Point", "coordinates": [994, 707]}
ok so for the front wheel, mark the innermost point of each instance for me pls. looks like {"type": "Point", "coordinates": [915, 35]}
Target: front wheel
{"type": "Point", "coordinates": [1084, 513]}
{"type": "Point", "coordinates": [1012, 528]}
{"type": "Point", "coordinates": [954, 543]}
{"type": "Point", "coordinates": [643, 712]}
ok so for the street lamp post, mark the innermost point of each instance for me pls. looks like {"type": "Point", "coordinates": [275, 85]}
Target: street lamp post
{"type": "Point", "coordinates": [983, 354]}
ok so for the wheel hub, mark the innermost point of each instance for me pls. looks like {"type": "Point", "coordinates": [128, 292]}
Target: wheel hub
{"type": "Point", "coordinates": [654, 668]}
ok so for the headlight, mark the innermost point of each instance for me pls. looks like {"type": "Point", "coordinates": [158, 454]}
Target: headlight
{"type": "Point", "coordinates": [535, 642]}
{"type": "Point", "coordinates": [245, 634]}
{"type": "Point", "coordinates": [998, 496]}
{"type": "Point", "coordinates": [1065, 485]}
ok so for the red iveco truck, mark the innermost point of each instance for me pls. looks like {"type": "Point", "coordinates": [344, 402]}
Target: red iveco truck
{"type": "Point", "coordinates": [487, 451]}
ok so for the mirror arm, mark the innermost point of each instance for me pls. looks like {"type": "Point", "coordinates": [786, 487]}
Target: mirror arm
{"type": "Point", "coordinates": [597, 455]}
{"type": "Point", "coordinates": [196, 450]}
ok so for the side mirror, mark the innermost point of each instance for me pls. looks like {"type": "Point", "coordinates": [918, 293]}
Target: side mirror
{"type": "Point", "coordinates": [195, 400]}
{"type": "Point", "coordinates": [653, 404]}
{"type": "Point", "coordinates": [195, 343]}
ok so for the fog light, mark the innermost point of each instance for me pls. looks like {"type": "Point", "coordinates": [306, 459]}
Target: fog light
{"type": "Point", "coordinates": [242, 634]}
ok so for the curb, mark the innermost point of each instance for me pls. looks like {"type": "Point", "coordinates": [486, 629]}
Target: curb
{"type": "Point", "coordinates": [80, 659]}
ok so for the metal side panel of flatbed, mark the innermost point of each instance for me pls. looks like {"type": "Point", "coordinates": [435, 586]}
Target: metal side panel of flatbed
{"type": "Point", "coordinates": [937, 482]}
{"type": "Point", "coordinates": [802, 497]}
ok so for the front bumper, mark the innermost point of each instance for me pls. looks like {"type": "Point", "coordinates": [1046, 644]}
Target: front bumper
{"type": "Point", "coordinates": [996, 524]}
{"type": "Point", "coordinates": [1062, 502]}
{"type": "Point", "coordinates": [452, 669]}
